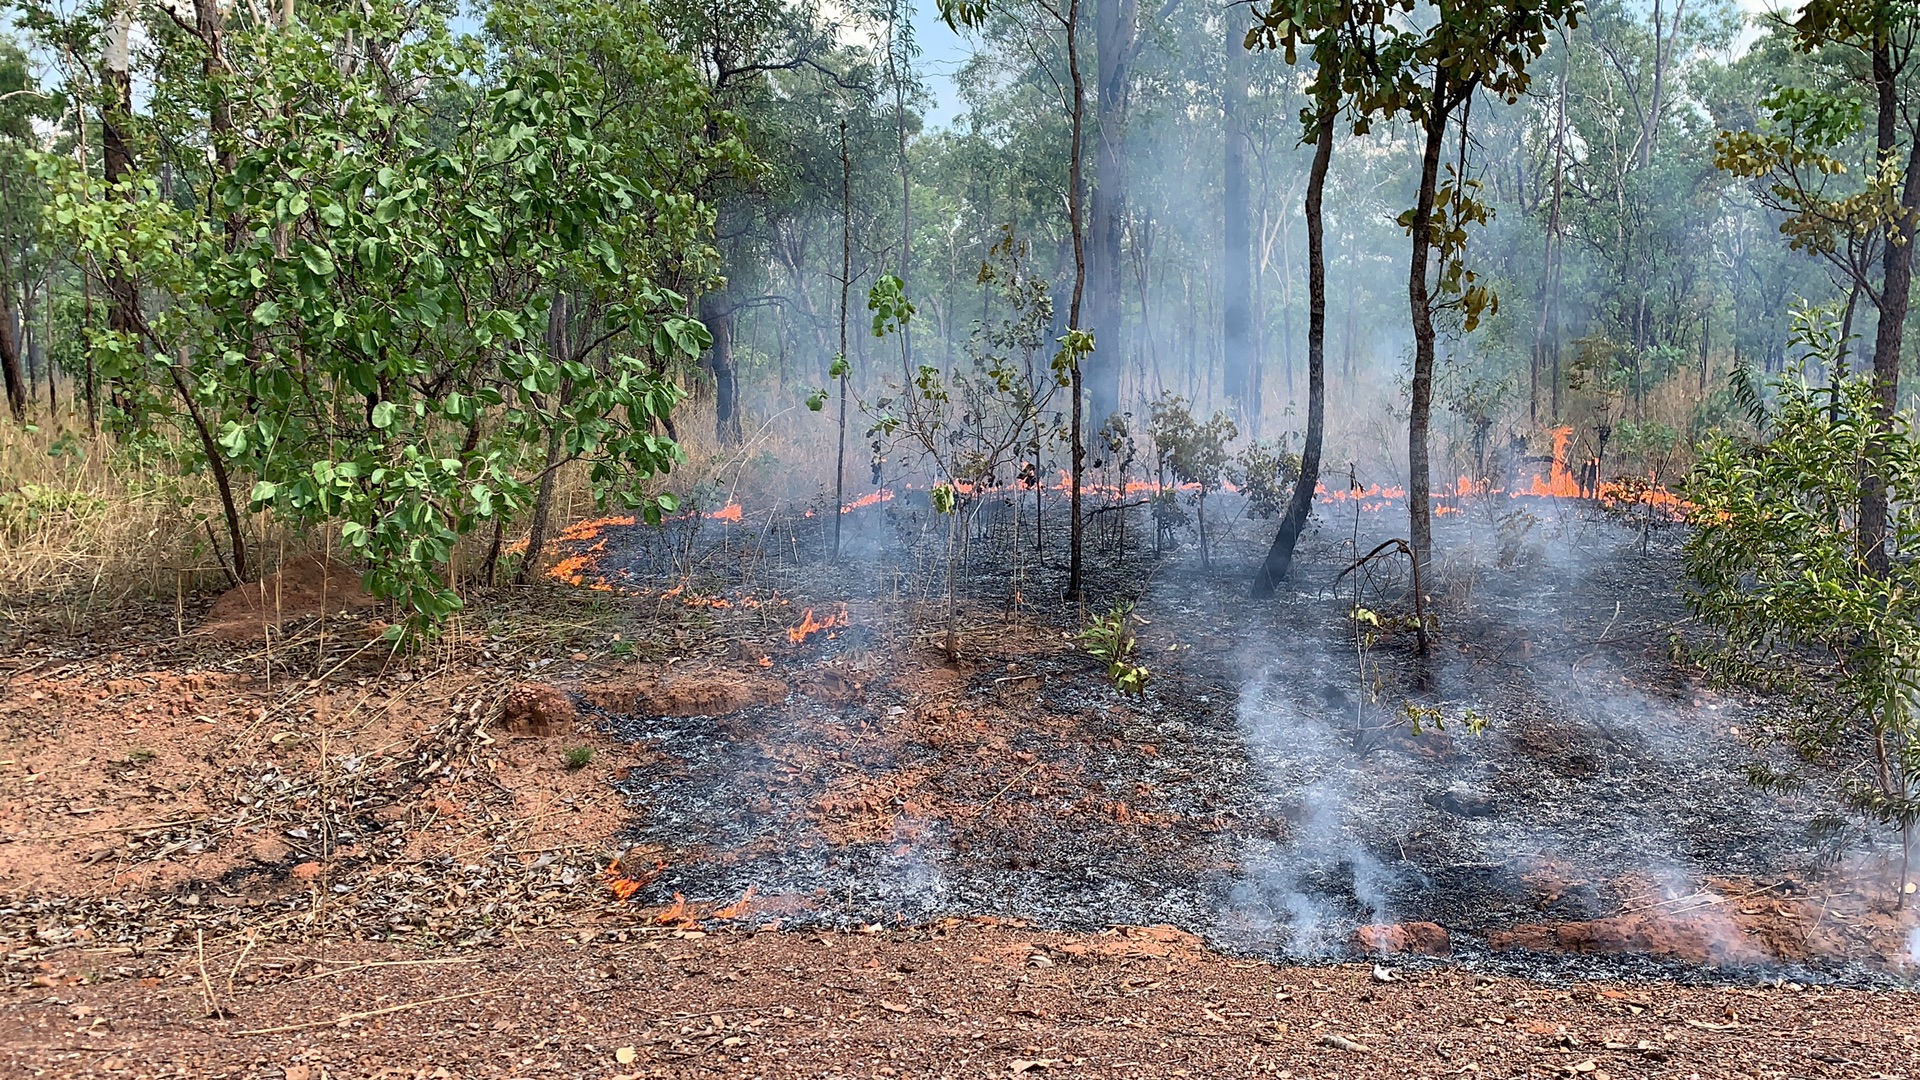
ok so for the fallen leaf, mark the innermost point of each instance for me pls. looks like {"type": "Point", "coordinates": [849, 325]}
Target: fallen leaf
{"type": "Point", "coordinates": [894, 1007]}
{"type": "Point", "coordinates": [626, 1055]}
{"type": "Point", "coordinates": [1341, 1042]}
{"type": "Point", "coordinates": [1704, 1026]}
{"type": "Point", "coordinates": [1382, 973]}
{"type": "Point", "coordinates": [1022, 1065]}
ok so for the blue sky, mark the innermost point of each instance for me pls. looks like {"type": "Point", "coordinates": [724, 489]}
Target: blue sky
{"type": "Point", "coordinates": [942, 52]}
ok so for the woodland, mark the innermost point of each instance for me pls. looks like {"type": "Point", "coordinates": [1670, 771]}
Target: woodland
{"type": "Point", "coordinates": [1122, 485]}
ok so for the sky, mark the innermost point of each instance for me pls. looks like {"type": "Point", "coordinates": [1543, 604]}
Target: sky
{"type": "Point", "coordinates": [942, 53]}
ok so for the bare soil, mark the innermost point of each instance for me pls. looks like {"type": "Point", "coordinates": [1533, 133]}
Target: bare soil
{"type": "Point", "coordinates": [956, 999]}
{"type": "Point", "coordinates": [612, 838]}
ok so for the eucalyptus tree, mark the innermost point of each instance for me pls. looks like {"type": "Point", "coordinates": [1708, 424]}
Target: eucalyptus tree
{"type": "Point", "coordinates": [1077, 344]}
{"type": "Point", "coordinates": [1335, 32]}
{"type": "Point", "coordinates": [1431, 75]}
{"type": "Point", "coordinates": [1863, 223]}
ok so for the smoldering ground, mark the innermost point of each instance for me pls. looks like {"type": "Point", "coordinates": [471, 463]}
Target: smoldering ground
{"type": "Point", "coordinates": [1269, 791]}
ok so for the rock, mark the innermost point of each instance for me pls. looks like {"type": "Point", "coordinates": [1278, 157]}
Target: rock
{"type": "Point", "coordinates": [304, 587]}
{"type": "Point", "coordinates": [306, 871]}
{"type": "Point", "coordinates": [537, 709]}
{"type": "Point", "coordinates": [1398, 939]}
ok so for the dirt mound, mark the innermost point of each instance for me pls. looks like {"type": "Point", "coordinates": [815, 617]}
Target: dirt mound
{"type": "Point", "coordinates": [712, 694]}
{"type": "Point", "coordinates": [537, 709]}
{"type": "Point", "coordinates": [1707, 939]}
{"type": "Point", "coordinates": [305, 587]}
{"type": "Point", "coordinates": [1416, 938]}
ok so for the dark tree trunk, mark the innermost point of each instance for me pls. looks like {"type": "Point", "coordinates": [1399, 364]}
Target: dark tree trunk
{"type": "Point", "coordinates": [1420, 409]}
{"type": "Point", "coordinates": [116, 162]}
{"type": "Point", "coordinates": [846, 279]}
{"type": "Point", "coordinates": [718, 318]}
{"type": "Point", "coordinates": [1241, 359]}
{"type": "Point", "coordinates": [1279, 561]}
{"type": "Point", "coordinates": [1896, 285]}
{"type": "Point", "coordinates": [543, 500]}
{"type": "Point", "coordinates": [10, 353]}
{"type": "Point", "coordinates": [1076, 202]}
{"type": "Point", "coordinates": [1114, 27]}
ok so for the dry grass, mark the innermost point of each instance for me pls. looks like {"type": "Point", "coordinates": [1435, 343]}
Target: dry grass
{"type": "Point", "coordinates": [83, 514]}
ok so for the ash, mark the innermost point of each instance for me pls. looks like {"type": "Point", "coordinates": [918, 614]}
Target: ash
{"type": "Point", "coordinates": [1283, 781]}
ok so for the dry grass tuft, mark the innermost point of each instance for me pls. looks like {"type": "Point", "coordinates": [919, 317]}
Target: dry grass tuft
{"type": "Point", "coordinates": [83, 513]}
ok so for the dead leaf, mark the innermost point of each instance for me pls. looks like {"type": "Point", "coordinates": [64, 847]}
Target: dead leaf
{"type": "Point", "coordinates": [1341, 1042]}
{"type": "Point", "coordinates": [626, 1055]}
{"type": "Point", "coordinates": [894, 1007]}
{"type": "Point", "coordinates": [1704, 1026]}
{"type": "Point", "coordinates": [1022, 1065]}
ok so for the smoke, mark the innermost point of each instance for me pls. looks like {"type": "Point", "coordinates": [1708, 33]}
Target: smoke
{"type": "Point", "coordinates": [1305, 894]}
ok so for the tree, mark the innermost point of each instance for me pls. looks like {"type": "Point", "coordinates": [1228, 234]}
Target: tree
{"type": "Point", "coordinates": [1776, 569]}
{"type": "Point", "coordinates": [398, 290]}
{"type": "Point", "coordinates": [1330, 28]}
{"type": "Point", "coordinates": [1875, 218]}
{"type": "Point", "coordinates": [1430, 76]}
{"type": "Point", "coordinates": [1077, 344]}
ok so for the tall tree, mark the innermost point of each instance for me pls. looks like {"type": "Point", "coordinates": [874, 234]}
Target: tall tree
{"type": "Point", "coordinates": [1431, 76]}
{"type": "Point", "coordinates": [1331, 28]}
{"type": "Point", "coordinates": [1241, 360]}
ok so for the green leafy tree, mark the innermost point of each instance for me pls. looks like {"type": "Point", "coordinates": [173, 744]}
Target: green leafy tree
{"type": "Point", "coordinates": [400, 287]}
{"type": "Point", "coordinates": [1777, 568]}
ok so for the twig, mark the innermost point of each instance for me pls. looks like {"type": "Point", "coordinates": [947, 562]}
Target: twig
{"type": "Point", "coordinates": [1004, 790]}
{"type": "Point", "coordinates": [347, 1017]}
{"type": "Point", "coordinates": [379, 963]}
{"type": "Point", "coordinates": [214, 1012]}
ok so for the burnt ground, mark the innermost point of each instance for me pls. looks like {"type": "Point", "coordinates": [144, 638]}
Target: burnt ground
{"type": "Point", "coordinates": [1281, 783]}
{"type": "Point", "coordinates": [308, 857]}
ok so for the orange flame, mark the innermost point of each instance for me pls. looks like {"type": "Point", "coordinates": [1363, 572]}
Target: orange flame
{"type": "Point", "coordinates": [1559, 481]}
{"type": "Point", "coordinates": [679, 913]}
{"type": "Point", "coordinates": [809, 626]}
{"type": "Point", "coordinates": [729, 512]}
{"type": "Point", "coordinates": [623, 885]}
{"type": "Point", "coordinates": [871, 499]}
{"type": "Point", "coordinates": [738, 909]}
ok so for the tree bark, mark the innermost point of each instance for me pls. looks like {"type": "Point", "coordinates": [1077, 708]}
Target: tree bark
{"type": "Point", "coordinates": [1419, 471]}
{"type": "Point", "coordinates": [1241, 361]}
{"type": "Point", "coordinates": [543, 500]}
{"type": "Point", "coordinates": [1115, 23]}
{"type": "Point", "coordinates": [718, 318]}
{"type": "Point", "coordinates": [116, 163]}
{"type": "Point", "coordinates": [10, 350]}
{"type": "Point", "coordinates": [1076, 203]}
{"type": "Point", "coordinates": [846, 279]}
{"type": "Point", "coordinates": [1279, 561]}
{"type": "Point", "coordinates": [1896, 286]}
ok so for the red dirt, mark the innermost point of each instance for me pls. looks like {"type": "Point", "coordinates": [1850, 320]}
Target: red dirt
{"type": "Point", "coordinates": [306, 587]}
{"type": "Point", "coordinates": [1402, 939]}
{"type": "Point", "coordinates": [614, 998]}
{"type": "Point", "coordinates": [108, 762]}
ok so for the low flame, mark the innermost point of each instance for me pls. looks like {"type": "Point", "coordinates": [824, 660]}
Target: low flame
{"type": "Point", "coordinates": [738, 909]}
{"type": "Point", "coordinates": [624, 885]}
{"type": "Point", "coordinates": [871, 499]}
{"type": "Point", "coordinates": [809, 626]}
{"type": "Point", "coordinates": [729, 512]}
{"type": "Point", "coordinates": [679, 913]}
